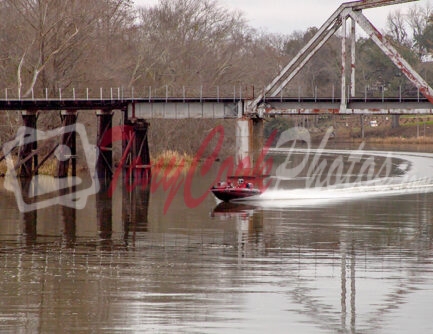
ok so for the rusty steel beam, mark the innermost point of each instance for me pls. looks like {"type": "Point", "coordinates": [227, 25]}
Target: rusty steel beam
{"type": "Point", "coordinates": [349, 111]}
{"type": "Point", "coordinates": [353, 62]}
{"type": "Point", "coordinates": [140, 150]}
{"type": "Point", "coordinates": [291, 69]}
{"type": "Point", "coordinates": [393, 54]}
{"type": "Point", "coordinates": [304, 59]}
{"type": "Point", "coordinates": [343, 65]}
{"type": "Point", "coordinates": [318, 40]}
{"type": "Point", "coordinates": [366, 4]}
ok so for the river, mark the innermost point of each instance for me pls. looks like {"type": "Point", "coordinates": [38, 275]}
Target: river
{"type": "Point", "coordinates": [312, 255]}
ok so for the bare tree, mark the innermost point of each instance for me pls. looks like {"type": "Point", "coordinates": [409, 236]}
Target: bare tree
{"type": "Point", "coordinates": [397, 29]}
{"type": "Point", "coordinates": [190, 42]}
{"type": "Point", "coordinates": [46, 29]}
{"type": "Point", "coordinates": [52, 43]}
{"type": "Point", "coordinates": [418, 18]}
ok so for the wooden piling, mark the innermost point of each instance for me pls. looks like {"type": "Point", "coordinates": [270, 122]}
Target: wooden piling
{"type": "Point", "coordinates": [104, 164]}
{"type": "Point", "coordinates": [139, 152]}
{"type": "Point", "coordinates": [26, 150]}
{"type": "Point", "coordinates": [67, 151]}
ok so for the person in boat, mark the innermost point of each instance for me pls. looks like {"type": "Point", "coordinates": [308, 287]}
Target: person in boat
{"type": "Point", "coordinates": [223, 184]}
{"type": "Point", "coordinates": [241, 183]}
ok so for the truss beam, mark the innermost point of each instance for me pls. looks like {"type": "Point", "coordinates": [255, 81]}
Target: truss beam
{"type": "Point", "coordinates": [393, 54]}
{"type": "Point", "coordinates": [367, 4]}
{"type": "Point", "coordinates": [288, 72]}
{"type": "Point", "coordinates": [336, 20]}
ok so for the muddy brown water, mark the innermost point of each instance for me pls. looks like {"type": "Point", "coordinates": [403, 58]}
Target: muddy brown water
{"type": "Point", "coordinates": [323, 263]}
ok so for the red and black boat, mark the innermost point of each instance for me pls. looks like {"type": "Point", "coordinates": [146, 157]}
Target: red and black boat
{"type": "Point", "coordinates": [228, 190]}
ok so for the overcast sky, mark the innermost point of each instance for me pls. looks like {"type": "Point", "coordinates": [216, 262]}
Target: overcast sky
{"type": "Point", "coordinates": [286, 16]}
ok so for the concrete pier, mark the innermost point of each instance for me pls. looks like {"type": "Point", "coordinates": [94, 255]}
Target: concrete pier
{"type": "Point", "coordinates": [249, 142]}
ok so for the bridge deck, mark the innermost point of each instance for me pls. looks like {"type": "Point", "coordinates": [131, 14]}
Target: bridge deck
{"type": "Point", "coordinates": [225, 107]}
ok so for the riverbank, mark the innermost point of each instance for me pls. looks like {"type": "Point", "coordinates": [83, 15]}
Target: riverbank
{"type": "Point", "coordinates": [166, 159]}
{"type": "Point", "coordinates": [415, 130]}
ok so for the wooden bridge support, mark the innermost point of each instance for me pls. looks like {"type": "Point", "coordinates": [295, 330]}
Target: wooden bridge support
{"type": "Point", "coordinates": [67, 151]}
{"type": "Point", "coordinates": [138, 149]}
{"type": "Point", "coordinates": [104, 164]}
{"type": "Point", "coordinates": [249, 142]}
{"type": "Point", "coordinates": [28, 157]}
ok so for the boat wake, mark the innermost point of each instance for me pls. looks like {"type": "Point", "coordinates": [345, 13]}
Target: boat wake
{"type": "Point", "coordinates": [415, 176]}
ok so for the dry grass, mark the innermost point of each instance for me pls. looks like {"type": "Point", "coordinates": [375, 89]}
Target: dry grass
{"type": "Point", "coordinates": [48, 168]}
{"type": "Point", "coordinates": [171, 158]}
{"type": "Point", "coordinates": [167, 159]}
{"type": "Point", "coordinates": [3, 168]}
{"type": "Point", "coordinates": [400, 140]}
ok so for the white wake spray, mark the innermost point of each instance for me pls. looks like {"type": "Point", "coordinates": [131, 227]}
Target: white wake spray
{"type": "Point", "coordinates": [416, 177]}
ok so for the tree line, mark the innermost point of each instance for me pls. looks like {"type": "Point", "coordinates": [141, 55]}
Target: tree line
{"type": "Point", "coordinates": [49, 45]}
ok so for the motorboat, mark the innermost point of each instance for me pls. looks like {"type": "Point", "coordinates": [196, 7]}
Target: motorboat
{"type": "Point", "coordinates": [227, 190]}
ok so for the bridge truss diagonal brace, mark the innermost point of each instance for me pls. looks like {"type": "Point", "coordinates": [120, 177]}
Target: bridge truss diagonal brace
{"type": "Point", "coordinates": [304, 55]}
{"type": "Point", "coordinates": [306, 58]}
{"type": "Point", "coordinates": [363, 4]}
{"type": "Point", "coordinates": [393, 54]}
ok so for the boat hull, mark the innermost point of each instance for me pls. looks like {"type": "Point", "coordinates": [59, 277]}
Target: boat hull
{"type": "Point", "coordinates": [229, 194]}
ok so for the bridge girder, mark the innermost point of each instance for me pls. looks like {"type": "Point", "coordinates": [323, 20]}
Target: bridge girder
{"type": "Point", "coordinates": [346, 10]}
{"type": "Point", "coordinates": [367, 4]}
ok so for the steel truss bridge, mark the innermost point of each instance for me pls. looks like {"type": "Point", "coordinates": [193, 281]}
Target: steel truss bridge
{"type": "Point", "coordinates": [270, 101]}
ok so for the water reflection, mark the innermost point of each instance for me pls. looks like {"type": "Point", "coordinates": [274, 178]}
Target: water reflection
{"type": "Point", "coordinates": [135, 208]}
{"type": "Point", "coordinates": [127, 209]}
{"type": "Point", "coordinates": [120, 265]}
{"type": "Point", "coordinates": [226, 210]}
{"type": "Point", "coordinates": [29, 219]}
{"type": "Point", "coordinates": [68, 220]}
{"type": "Point", "coordinates": [104, 216]}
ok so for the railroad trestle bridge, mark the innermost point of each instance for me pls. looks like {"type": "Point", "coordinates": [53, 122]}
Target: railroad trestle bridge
{"type": "Point", "coordinates": [248, 111]}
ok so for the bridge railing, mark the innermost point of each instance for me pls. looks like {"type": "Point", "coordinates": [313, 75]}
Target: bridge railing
{"type": "Point", "coordinates": [366, 92]}
{"type": "Point", "coordinates": [235, 92]}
